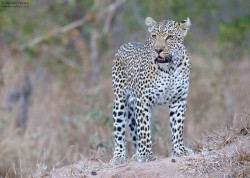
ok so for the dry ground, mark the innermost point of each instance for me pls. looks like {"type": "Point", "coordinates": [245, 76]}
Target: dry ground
{"type": "Point", "coordinates": [225, 153]}
{"type": "Point", "coordinates": [162, 167]}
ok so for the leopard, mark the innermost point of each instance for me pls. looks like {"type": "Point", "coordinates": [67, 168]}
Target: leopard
{"type": "Point", "coordinates": [147, 74]}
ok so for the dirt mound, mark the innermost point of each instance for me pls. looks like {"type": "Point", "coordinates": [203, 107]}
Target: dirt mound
{"type": "Point", "coordinates": [219, 154]}
{"type": "Point", "coordinates": [162, 167]}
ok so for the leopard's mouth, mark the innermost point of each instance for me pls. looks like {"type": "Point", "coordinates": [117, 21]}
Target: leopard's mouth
{"type": "Point", "coordinates": [160, 59]}
{"type": "Point", "coordinates": [167, 59]}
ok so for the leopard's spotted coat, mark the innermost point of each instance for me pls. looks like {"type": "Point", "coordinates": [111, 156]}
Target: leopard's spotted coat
{"type": "Point", "coordinates": [149, 74]}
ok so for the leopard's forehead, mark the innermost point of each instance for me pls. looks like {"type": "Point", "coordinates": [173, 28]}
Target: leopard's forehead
{"type": "Point", "coordinates": [165, 26]}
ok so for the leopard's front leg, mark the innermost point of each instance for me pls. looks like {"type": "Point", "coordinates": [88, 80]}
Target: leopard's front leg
{"type": "Point", "coordinates": [144, 143]}
{"type": "Point", "coordinates": [177, 109]}
{"type": "Point", "coordinates": [119, 119]}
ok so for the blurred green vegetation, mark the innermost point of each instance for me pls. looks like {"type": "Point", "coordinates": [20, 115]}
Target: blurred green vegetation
{"type": "Point", "coordinates": [234, 38]}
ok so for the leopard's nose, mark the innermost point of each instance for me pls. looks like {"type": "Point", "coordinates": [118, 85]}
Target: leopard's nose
{"type": "Point", "coordinates": [158, 50]}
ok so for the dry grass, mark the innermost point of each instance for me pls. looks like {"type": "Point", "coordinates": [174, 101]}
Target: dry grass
{"type": "Point", "coordinates": [219, 139]}
{"type": "Point", "coordinates": [58, 131]}
{"type": "Point", "coordinates": [224, 153]}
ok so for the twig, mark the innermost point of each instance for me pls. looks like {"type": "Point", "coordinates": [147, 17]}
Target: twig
{"type": "Point", "coordinates": [63, 59]}
{"type": "Point", "coordinates": [21, 170]}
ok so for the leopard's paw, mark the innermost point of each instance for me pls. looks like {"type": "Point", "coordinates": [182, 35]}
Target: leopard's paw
{"type": "Point", "coordinates": [117, 161]}
{"type": "Point", "coordinates": [182, 151]}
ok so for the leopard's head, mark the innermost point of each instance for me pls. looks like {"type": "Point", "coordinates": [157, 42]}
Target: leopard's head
{"type": "Point", "coordinates": [168, 38]}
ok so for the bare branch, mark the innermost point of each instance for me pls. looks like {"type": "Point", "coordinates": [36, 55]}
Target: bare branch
{"type": "Point", "coordinates": [110, 7]}
{"type": "Point", "coordinates": [52, 33]}
{"type": "Point", "coordinates": [110, 10]}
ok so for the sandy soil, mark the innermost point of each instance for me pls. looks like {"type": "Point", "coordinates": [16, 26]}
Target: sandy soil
{"type": "Point", "coordinates": [161, 168]}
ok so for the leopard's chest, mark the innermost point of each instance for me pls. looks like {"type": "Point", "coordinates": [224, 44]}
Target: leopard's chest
{"type": "Point", "coordinates": [160, 90]}
{"type": "Point", "coordinates": [165, 87]}
{"type": "Point", "coordinates": [155, 86]}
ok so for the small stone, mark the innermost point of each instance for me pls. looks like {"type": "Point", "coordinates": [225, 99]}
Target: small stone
{"type": "Point", "coordinates": [173, 160]}
{"type": "Point", "coordinates": [93, 173]}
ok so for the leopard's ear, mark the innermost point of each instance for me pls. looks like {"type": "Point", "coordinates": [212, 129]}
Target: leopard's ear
{"type": "Point", "coordinates": [185, 26]}
{"type": "Point", "coordinates": [150, 23]}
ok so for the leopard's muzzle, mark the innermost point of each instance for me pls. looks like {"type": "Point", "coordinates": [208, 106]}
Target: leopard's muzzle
{"type": "Point", "coordinates": [167, 59]}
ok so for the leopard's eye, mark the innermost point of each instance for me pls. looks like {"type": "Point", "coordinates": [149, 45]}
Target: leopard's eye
{"type": "Point", "coordinates": [153, 35]}
{"type": "Point", "coordinates": [169, 37]}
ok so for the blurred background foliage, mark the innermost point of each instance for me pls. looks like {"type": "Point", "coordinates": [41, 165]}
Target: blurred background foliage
{"type": "Point", "coordinates": [64, 49]}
